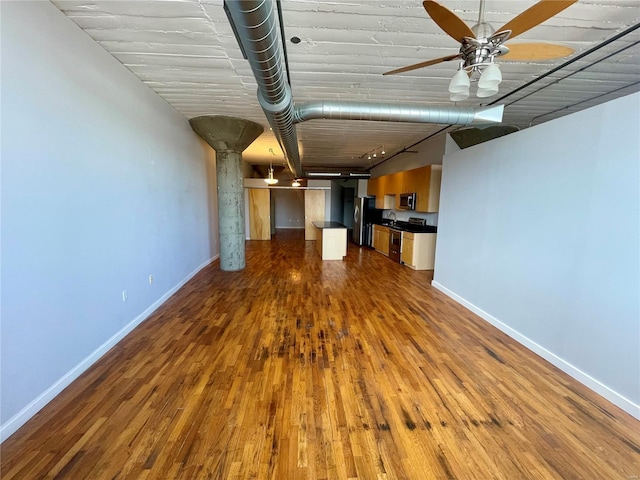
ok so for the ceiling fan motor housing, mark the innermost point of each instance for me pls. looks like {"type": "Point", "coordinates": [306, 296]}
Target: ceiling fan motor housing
{"type": "Point", "coordinates": [483, 30]}
{"type": "Point", "coordinates": [479, 52]}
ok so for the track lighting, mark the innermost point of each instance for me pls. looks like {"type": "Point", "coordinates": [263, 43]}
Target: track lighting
{"type": "Point", "coordinates": [374, 153]}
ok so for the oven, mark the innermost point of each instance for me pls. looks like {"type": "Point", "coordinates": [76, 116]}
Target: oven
{"type": "Point", "coordinates": [395, 244]}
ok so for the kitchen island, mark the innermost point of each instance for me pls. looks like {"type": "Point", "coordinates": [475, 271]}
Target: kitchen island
{"type": "Point", "coordinates": [331, 240]}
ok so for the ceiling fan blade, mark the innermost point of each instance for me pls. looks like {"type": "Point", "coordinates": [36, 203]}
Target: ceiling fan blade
{"type": "Point", "coordinates": [423, 64]}
{"type": "Point", "coordinates": [535, 51]}
{"type": "Point", "coordinates": [448, 21]}
{"type": "Point", "coordinates": [535, 15]}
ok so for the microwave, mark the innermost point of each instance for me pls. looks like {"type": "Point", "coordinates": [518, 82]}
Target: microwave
{"type": "Point", "coordinates": [408, 201]}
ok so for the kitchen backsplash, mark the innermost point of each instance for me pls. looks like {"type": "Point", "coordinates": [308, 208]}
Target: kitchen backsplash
{"type": "Point", "coordinates": [403, 215]}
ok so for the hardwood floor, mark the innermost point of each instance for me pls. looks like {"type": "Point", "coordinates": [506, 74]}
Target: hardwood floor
{"type": "Point", "coordinates": [300, 369]}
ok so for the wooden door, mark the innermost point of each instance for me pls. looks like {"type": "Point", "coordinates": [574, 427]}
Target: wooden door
{"type": "Point", "coordinates": [259, 214]}
{"type": "Point", "coordinates": [313, 211]}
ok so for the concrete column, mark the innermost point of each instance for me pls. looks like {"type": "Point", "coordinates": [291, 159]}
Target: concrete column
{"type": "Point", "coordinates": [229, 137]}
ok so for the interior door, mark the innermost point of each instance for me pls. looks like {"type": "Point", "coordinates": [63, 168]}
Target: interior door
{"type": "Point", "coordinates": [259, 214]}
{"type": "Point", "coordinates": [313, 211]}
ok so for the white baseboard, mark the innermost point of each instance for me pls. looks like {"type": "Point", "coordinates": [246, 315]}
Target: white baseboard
{"type": "Point", "coordinates": [584, 378]}
{"type": "Point", "coordinates": [20, 418]}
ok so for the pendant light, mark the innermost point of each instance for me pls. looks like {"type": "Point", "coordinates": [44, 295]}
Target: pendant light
{"type": "Point", "coordinates": [270, 180]}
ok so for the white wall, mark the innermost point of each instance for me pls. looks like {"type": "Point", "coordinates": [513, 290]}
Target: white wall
{"type": "Point", "coordinates": [103, 184]}
{"type": "Point", "coordinates": [539, 234]}
{"type": "Point", "coordinates": [429, 152]}
{"type": "Point", "coordinates": [289, 205]}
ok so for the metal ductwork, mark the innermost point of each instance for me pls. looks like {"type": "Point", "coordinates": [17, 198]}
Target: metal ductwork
{"type": "Point", "coordinates": [256, 28]}
{"type": "Point", "coordinates": [386, 112]}
{"type": "Point", "coordinates": [467, 137]}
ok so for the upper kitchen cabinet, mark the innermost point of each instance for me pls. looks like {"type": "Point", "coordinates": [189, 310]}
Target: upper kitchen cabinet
{"type": "Point", "coordinates": [393, 189]}
{"type": "Point", "coordinates": [376, 188]}
{"type": "Point", "coordinates": [425, 182]}
{"type": "Point", "coordinates": [393, 183]}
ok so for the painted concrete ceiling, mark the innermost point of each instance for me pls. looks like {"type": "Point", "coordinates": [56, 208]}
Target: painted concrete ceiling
{"type": "Point", "coordinates": [186, 52]}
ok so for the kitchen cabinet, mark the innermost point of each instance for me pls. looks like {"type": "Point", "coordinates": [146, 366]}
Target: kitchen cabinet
{"type": "Point", "coordinates": [406, 251]}
{"type": "Point", "coordinates": [372, 186]}
{"type": "Point", "coordinates": [425, 182]}
{"type": "Point", "coordinates": [393, 183]}
{"type": "Point", "coordinates": [331, 240]}
{"type": "Point", "coordinates": [393, 189]}
{"type": "Point", "coordinates": [418, 250]}
{"type": "Point", "coordinates": [376, 187]}
{"type": "Point", "coordinates": [381, 239]}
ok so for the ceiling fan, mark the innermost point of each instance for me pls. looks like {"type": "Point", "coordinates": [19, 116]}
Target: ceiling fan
{"type": "Point", "coordinates": [481, 44]}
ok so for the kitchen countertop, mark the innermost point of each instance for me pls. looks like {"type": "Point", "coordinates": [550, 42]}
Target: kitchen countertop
{"type": "Point", "coordinates": [408, 227]}
{"type": "Point", "coordinates": [322, 225]}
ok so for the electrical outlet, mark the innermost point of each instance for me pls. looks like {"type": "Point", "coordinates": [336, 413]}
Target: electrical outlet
{"type": "Point", "coordinates": [150, 279]}
{"type": "Point", "coordinates": [124, 295]}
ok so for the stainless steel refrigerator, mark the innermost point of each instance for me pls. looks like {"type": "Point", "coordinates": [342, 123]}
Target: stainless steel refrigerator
{"type": "Point", "coordinates": [364, 215]}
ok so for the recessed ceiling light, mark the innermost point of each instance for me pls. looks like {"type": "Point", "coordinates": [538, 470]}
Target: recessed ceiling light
{"type": "Point", "coordinates": [295, 40]}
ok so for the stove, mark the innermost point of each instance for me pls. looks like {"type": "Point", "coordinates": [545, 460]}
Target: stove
{"type": "Point", "coordinates": [420, 222]}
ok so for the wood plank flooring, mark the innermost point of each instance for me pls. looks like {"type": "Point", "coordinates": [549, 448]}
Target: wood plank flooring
{"type": "Point", "coordinates": [300, 369]}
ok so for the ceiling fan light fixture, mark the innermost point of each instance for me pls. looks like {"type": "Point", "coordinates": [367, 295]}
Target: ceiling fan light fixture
{"type": "Point", "coordinates": [490, 78]}
{"type": "Point", "coordinates": [487, 92]}
{"type": "Point", "coordinates": [459, 96]}
{"type": "Point", "coordinates": [460, 82]}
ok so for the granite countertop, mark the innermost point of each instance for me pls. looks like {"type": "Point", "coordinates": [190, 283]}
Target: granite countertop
{"type": "Point", "coordinates": [322, 225]}
{"type": "Point", "coordinates": [409, 227]}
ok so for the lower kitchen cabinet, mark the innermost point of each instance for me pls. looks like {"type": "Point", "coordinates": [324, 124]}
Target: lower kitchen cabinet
{"type": "Point", "coordinates": [381, 239]}
{"type": "Point", "coordinates": [418, 250]}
